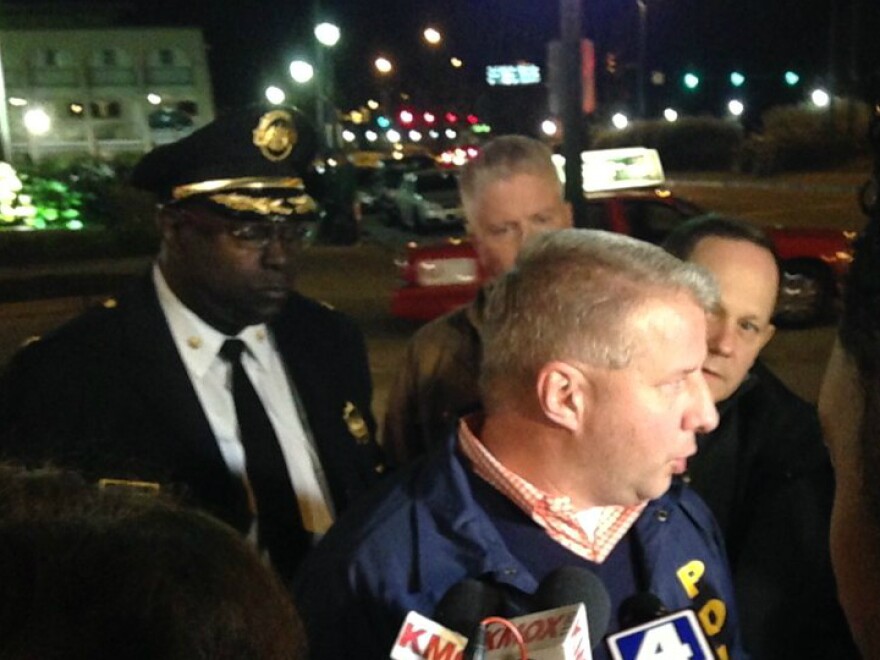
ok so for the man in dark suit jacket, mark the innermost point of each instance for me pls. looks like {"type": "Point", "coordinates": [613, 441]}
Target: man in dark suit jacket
{"type": "Point", "coordinates": [764, 471]}
{"type": "Point", "coordinates": [144, 389]}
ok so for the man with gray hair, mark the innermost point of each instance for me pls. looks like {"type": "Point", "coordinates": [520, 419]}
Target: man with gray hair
{"type": "Point", "coordinates": [510, 193]}
{"type": "Point", "coordinates": [593, 393]}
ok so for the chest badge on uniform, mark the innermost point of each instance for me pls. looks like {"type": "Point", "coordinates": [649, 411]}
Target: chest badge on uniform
{"type": "Point", "coordinates": [357, 426]}
{"type": "Point", "coordinates": [275, 135]}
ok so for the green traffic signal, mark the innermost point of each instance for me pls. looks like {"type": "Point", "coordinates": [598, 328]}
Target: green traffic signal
{"type": "Point", "coordinates": [691, 80]}
{"type": "Point", "coordinates": [737, 79]}
{"type": "Point", "coordinates": [791, 78]}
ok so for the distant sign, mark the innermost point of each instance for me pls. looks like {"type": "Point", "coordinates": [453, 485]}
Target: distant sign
{"type": "Point", "coordinates": [508, 75]}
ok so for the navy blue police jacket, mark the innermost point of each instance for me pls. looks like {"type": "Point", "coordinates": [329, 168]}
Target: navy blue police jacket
{"type": "Point", "coordinates": [423, 532]}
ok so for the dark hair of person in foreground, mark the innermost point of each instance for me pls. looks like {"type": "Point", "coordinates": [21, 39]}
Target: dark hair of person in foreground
{"type": "Point", "coordinates": [89, 572]}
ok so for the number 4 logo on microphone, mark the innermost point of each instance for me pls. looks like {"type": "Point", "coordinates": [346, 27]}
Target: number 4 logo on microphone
{"type": "Point", "coordinates": [677, 636]}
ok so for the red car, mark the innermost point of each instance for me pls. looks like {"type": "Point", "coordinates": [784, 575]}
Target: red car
{"type": "Point", "coordinates": [438, 278]}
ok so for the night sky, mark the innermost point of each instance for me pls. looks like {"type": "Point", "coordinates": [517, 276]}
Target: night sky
{"type": "Point", "coordinates": [251, 41]}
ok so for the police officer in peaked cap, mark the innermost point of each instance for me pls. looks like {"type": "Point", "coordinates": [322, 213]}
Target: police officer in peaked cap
{"type": "Point", "coordinates": [212, 376]}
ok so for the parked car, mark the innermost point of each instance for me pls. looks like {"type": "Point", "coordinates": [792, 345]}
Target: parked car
{"type": "Point", "coordinates": [385, 182]}
{"type": "Point", "coordinates": [429, 199]}
{"type": "Point", "coordinates": [438, 278]}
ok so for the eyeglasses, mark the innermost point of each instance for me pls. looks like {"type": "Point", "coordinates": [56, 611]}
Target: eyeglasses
{"type": "Point", "coordinates": [258, 235]}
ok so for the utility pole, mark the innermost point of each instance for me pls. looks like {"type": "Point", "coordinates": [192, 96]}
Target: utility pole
{"type": "Point", "coordinates": [574, 138]}
{"type": "Point", "coordinates": [5, 136]}
{"type": "Point", "coordinates": [642, 6]}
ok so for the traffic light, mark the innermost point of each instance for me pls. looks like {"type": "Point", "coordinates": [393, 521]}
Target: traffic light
{"type": "Point", "coordinates": [737, 79]}
{"type": "Point", "coordinates": [429, 118]}
{"type": "Point", "coordinates": [451, 118]}
{"type": "Point", "coordinates": [791, 78]}
{"type": "Point", "coordinates": [406, 117]}
{"type": "Point", "coordinates": [383, 121]}
{"type": "Point", "coordinates": [691, 80]}
{"type": "Point", "coordinates": [472, 119]}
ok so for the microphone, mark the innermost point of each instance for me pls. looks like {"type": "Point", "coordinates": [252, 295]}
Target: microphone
{"type": "Point", "coordinates": [466, 603]}
{"type": "Point", "coordinates": [458, 613]}
{"type": "Point", "coordinates": [420, 638]}
{"type": "Point", "coordinates": [573, 614]}
{"type": "Point", "coordinates": [651, 630]}
{"type": "Point", "coordinates": [558, 634]}
{"type": "Point", "coordinates": [572, 585]}
{"type": "Point", "coordinates": [641, 608]}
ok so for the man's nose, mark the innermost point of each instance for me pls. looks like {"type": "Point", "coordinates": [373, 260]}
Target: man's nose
{"type": "Point", "coordinates": [721, 336]}
{"type": "Point", "coordinates": [702, 415]}
{"type": "Point", "coordinates": [276, 252]}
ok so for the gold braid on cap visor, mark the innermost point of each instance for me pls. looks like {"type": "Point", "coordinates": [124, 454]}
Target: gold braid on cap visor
{"type": "Point", "coordinates": [296, 204]}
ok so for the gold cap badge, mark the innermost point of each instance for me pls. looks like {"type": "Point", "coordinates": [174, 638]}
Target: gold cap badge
{"type": "Point", "coordinates": [275, 135]}
{"type": "Point", "coordinates": [355, 422]}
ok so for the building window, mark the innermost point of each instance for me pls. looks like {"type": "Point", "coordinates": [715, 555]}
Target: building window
{"type": "Point", "coordinates": [166, 57]}
{"type": "Point", "coordinates": [109, 57]}
{"type": "Point", "coordinates": [76, 110]}
{"type": "Point", "coordinates": [106, 109]}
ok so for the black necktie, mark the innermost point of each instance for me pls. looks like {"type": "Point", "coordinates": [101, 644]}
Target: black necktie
{"type": "Point", "coordinates": [279, 524]}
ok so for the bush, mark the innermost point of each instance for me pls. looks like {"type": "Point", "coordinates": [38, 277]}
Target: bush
{"type": "Point", "coordinates": [691, 143]}
{"type": "Point", "coordinates": [804, 137]}
{"type": "Point", "coordinates": [110, 218]}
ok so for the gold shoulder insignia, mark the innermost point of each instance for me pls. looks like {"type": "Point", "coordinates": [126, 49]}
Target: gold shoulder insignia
{"type": "Point", "coordinates": [275, 135]}
{"type": "Point", "coordinates": [355, 422]}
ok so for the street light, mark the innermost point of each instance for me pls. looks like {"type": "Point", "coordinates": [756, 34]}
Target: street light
{"type": "Point", "coordinates": [37, 121]}
{"type": "Point", "coordinates": [383, 65]}
{"type": "Point", "coordinates": [301, 71]}
{"type": "Point", "coordinates": [432, 36]}
{"type": "Point", "coordinates": [736, 107]}
{"type": "Point", "coordinates": [670, 115]}
{"type": "Point", "coordinates": [549, 127]}
{"type": "Point", "coordinates": [327, 34]}
{"type": "Point", "coordinates": [275, 95]}
{"type": "Point", "coordinates": [620, 121]}
{"type": "Point", "coordinates": [456, 62]}
{"type": "Point", "coordinates": [820, 98]}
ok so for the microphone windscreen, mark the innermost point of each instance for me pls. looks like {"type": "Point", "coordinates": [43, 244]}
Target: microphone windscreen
{"type": "Point", "coordinates": [571, 585]}
{"type": "Point", "coordinates": [640, 608]}
{"type": "Point", "coordinates": [465, 604]}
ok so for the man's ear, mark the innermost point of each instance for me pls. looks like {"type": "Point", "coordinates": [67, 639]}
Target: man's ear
{"type": "Point", "coordinates": [569, 211]}
{"type": "Point", "coordinates": [167, 223]}
{"type": "Point", "coordinates": [560, 390]}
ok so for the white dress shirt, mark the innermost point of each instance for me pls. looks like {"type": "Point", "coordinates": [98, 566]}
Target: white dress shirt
{"type": "Point", "coordinates": [199, 345]}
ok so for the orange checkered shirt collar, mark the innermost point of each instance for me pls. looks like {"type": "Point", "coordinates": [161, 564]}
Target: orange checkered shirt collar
{"type": "Point", "coordinates": [555, 514]}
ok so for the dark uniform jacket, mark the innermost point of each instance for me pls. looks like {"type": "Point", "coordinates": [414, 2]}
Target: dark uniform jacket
{"type": "Point", "coordinates": [425, 532]}
{"type": "Point", "coordinates": [437, 383]}
{"type": "Point", "coordinates": [766, 475]}
{"type": "Point", "coordinates": [109, 395]}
